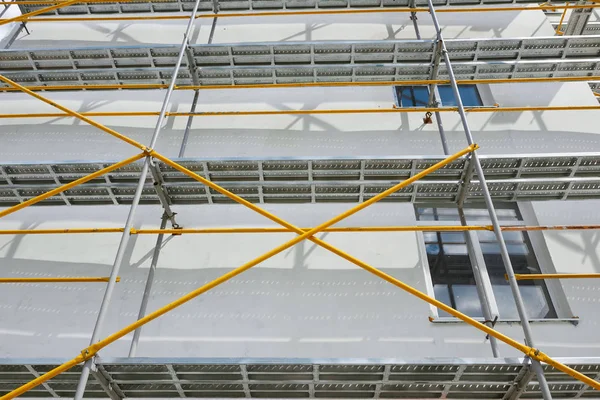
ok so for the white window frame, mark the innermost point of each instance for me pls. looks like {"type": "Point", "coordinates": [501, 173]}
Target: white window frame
{"type": "Point", "coordinates": [540, 252]}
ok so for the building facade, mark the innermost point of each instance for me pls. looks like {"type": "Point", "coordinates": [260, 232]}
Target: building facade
{"type": "Point", "coordinates": [541, 165]}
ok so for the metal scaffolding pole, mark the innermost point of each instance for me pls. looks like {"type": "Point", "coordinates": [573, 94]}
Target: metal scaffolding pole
{"type": "Point", "coordinates": [85, 373]}
{"type": "Point", "coordinates": [148, 288]}
{"type": "Point", "coordinates": [188, 126]}
{"type": "Point", "coordinates": [537, 366]}
{"type": "Point", "coordinates": [482, 282]}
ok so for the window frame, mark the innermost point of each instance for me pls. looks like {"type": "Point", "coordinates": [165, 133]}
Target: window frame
{"type": "Point", "coordinates": [554, 290]}
{"type": "Point", "coordinates": [483, 96]}
{"type": "Point", "coordinates": [477, 94]}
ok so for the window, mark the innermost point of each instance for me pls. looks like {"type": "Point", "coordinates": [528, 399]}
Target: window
{"type": "Point", "coordinates": [452, 275]}
{"type": "Point", "coordinates": [468, 93]}
{"type": "Point", "coordinates": [412, 96]}
{"type": "Point", "coordinates": [418, 96]}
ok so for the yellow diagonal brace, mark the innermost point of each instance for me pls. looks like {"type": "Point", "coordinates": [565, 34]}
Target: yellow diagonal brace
{"type": "Point", "coordinates": [531, 352]}
{"type": "Point", "coordinates": [90, 351]}
{"type": "Point", "coordinates": [23, 17]}
{"type": "Point", "coordinates": [74, 113]}
{"type": "Point", "coordinates": [70, 185]}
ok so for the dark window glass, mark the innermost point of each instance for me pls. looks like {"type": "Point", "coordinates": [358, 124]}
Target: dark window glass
{"type": "Point", "coordinates": [468, 93]}
{"type": "Point", "coordinates": [412, 96]}
{"type": "Point", "coordinates": [452, 274]}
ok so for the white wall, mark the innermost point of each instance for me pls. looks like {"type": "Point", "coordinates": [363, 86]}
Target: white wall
{"type": "Point", "coordinates": [304, 302]}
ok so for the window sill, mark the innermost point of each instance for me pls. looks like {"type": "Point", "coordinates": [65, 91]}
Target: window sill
{"type": "Point", "coordinates": [452, 320]}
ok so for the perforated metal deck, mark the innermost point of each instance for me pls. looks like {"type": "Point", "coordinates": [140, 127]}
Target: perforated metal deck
{"type": "Point", "coordinates": [230, 5]}
{"type": "Point", "coordinates": [301, 62]}
{"type": "Point", "coordinates": [303, 378]}
{"type": "Point", "coordinates": [298, 180]}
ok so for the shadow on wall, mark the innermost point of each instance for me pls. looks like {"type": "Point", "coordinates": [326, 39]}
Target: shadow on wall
{"type": "Point", "coordinates": [583, 245]}
{"type": "Point", "coordinates": [289, 28]}
{"type": "Point", "coordinates": [305, 136]}
{"type": "Point", "coordinates": [306, 310]}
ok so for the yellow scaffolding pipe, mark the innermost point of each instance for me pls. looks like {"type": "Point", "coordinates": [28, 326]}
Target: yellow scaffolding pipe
{"type": "Point", "coordinates": [182, 231]}
{"type": "Point", "coordinates": [89, 352]}
{"type": "Point", "coordinates": [62, 3]}
{"type": "Point", "coordinates": [42, 2]}
{"type": "Point", "coordinates": [308, 84]}
{"type": "Point", "coordinates": [524, 277]}
{"type": "Point", "coordinates": [305, 112]}
{"type": "Point", "coordinates": [59, 231]}
{"type": "Point", "coordinates": [54, 280]}
{"type": "Point", "coordinates": [415, 228]}
{"type": "Point", "coordinates": [562, 18]}
{"type": "Point", "coordinates": [310, 12]}
{"type": "Point", "coordinates": [74, 114]}
{"type": "Point", "coordinates": [71, 185]}
{"type": "Point", "coordinates": [25, 17]}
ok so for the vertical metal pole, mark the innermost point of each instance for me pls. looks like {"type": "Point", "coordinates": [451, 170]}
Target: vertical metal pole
{"type": "Point", "coordinates": [470, 238]}
{"type": "Point", "coordinates": [413, 17]}
{"type": "Point", "coordinates": [481, 291]}
{"type": "Point", "coordinates": [438, 117]}
{"type": "Point", "coordinates": [189, 124]}
{"type": "Point", "coordinates": [148, 288]}
{"type": "Point", "coordinates": [492, 212]}
{"type": "Point", "coordinates": [85, 373]}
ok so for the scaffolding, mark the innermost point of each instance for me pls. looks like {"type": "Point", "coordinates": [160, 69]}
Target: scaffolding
{"type": "Point", "coordinates": [457, 178]}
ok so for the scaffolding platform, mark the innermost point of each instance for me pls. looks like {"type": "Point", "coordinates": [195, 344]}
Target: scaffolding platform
{"type": "Point", "coordinates": [313, 180]}
{"type": "Point", "coordinates": [303, 62]}
{"type": "Point", "coordinates": [303, 378]}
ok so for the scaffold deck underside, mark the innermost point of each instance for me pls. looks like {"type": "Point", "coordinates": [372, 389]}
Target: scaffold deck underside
{"type": "Point", "coordinates": [302, 378]}
{"type": "Point", "coordinates": [306, 180]}
{"type": "Point", "coordinates": [303, 62]}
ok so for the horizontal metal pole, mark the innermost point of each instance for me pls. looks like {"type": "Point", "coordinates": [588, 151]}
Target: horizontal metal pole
{"type": "Point", "coordinates": [312, 12]}
{"type": "Point", "coordinates": [307, 112]}
{"type": "Point", "coordinates": [71, 185]}
{"type": "Point", "coordinates": [529, 277]}
{"type": "Point", "coordinates": [408, 228]}
{"type": "Point", "coordinates": [53, 280]}
{"type": "Point", "coordinates": [308, 84]}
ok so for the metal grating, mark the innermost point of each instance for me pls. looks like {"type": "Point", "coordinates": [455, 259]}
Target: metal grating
{"type": "Point", "coordinates": [591, 28]}
{"type": "Point", "coordinates": [231, 5]}
{"type": "Point", "coordinates": [303, 378]}
{"type": "Point", "coordinates": [302, 180]}
{"type": "Point", "coordinates": [301, 62]}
